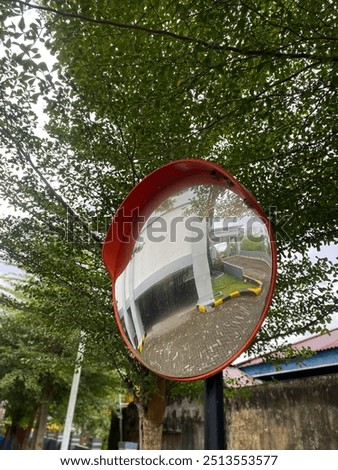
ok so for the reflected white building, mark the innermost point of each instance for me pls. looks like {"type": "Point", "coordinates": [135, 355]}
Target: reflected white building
{"type": "Point", "coordinates": [172, 261]}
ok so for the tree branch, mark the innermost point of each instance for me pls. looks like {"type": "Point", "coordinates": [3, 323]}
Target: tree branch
{"type": "Point", "coordinates": [181, 37]}
{"type": "Point", "coordinates": [300, 330]}
{"type": "Point", "coordinates": [85, 226]}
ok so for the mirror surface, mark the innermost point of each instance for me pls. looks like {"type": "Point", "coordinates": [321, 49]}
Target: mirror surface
{"type": "Point", "coordinates": [196, 284]}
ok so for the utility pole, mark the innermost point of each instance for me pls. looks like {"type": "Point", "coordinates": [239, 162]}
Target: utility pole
{"type": "Point", "coordinates": [73, 394]}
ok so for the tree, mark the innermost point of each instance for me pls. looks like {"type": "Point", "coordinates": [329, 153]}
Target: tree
{"type": "Point", "coordinates": [36, 366]}
{"type": "Point", "coordinates": [33, 373]}
{"type": "Point", "coordinates": [37, 363]}
{"type": "Point", "coordinates": [250, 85]}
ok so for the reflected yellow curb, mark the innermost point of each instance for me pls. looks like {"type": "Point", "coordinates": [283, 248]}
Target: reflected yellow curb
{"type": "Point", "coordinates": [257, 290]}
{"type": "Point", "coordinates": [141, 344]}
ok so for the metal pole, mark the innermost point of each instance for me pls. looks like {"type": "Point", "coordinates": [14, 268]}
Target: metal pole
{"type": "Point", "coordinates": [214, 435]}
{"type": "Point", "coordinates": [73, 394]}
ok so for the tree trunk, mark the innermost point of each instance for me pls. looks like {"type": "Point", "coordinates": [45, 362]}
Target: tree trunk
{"type": "Point", "coordinates": [114, 433]}
{"type": "Point", "coordinates": [84, 439]}
{"type": "Point", "coordinates": [41, 425]}
{"type": "Point", "coordinates": [151, 418]}
{"type": "Point", "coordinates": [35, 432]}
{"type": "Point", "coordinates": [14, 437]}
{"type": "Point", "coordinates": [7, 437]}
{"type": "Point", "coordinates": [26, 444]}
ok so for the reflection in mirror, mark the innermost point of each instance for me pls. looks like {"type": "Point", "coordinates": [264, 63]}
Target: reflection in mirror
{"type": "Point", "coordinates": [196, 284]}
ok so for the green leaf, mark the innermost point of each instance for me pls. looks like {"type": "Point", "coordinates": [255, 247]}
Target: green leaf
{"type": "Point", "coordinates": [21, 24]}
{"type": "Point", "coordinates": [43, 66]}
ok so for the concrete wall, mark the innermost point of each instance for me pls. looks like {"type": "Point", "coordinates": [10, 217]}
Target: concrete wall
{"type": "Point", "coordinates": [183, 426]}
{"type": "Point", "coordinates": [233, 270]}
{"type": "Point", "coordinates": [294, 414]}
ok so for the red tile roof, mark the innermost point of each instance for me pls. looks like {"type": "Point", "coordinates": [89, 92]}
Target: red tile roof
{"type": "Point", "coordinates": [235, 378]}
{"type": "Point", "coordinates": [319, 342]}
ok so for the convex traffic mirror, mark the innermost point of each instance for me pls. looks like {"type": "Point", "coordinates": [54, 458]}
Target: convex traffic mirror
{"type": "Point", "coordinates": [192, 262]}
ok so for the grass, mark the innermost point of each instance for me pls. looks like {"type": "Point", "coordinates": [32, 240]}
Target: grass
{"type": "Point", "coordinates": [227, 284]}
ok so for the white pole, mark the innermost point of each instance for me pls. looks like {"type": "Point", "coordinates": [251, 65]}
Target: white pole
{"type": "Point", "coordinates": [73, 394]}
{"type": "Point", "coordinates": [120, 417]}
